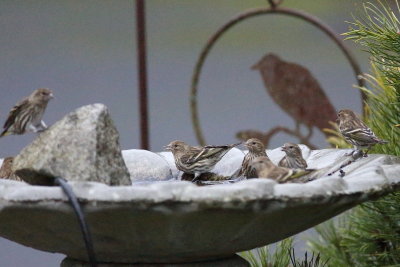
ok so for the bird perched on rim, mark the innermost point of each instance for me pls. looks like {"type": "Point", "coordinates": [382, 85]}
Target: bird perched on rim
{"type": "Point", "coordinates": [296, 91]}
{"type": "Point", "coordinates": [294, 158]}
{"type": "Point", "coordinates": [26, 115]}
{"type": "Point", "coordinates": [256, 149]}
{"type": "Point", "coordinates": [356, 132]}
{"type": "Point", "coordinates": [265, 168]}
{"type": "Point", "coordinates": [6, 170]}
{"type": "Point", "coordinates": [195, 159]}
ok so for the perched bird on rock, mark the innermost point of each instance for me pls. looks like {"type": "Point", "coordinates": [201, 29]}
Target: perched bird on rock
{"type": "Point", "coordinates": [265, 168]}
{"type": "Point", "coordinates": [195, 159]}
{"type": "Point", "coordinates": [6, 169]}
{"type": "Point", "coordinates": [256, 149]}
{"type": "Point", "coordinates": [294, 158]}
{"type": "Point", "coordinates": [26, 115]}
{"type": "Point", "coordinates": [355, 132]}
{"type": "Point", "coordinates": [296, 91]}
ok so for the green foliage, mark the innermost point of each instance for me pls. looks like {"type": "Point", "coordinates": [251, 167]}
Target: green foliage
{"type": "Point", "coordinates": [370, 235]}
{"type": "Point", "coordinates": [314, 261]}
{"type": "Point", "coordinates": [383, 107]}
{"type": "Point", "coordinates": [263, 257]}
{"type": "Point", "coordinates": [283, 256]}
{"type": "Point", "coordinates": [329, 243]}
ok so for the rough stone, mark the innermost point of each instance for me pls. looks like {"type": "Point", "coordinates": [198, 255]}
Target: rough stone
{"type": "Point", "coordinates": [83, 146]}
{"type": "Point", "coordinates": [144, 165]}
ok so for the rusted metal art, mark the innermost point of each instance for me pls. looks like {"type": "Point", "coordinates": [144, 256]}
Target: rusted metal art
{"type": "Point", "coordinates": [142, 73]}
{"type": "Point", "coordinates": [298, 93]}
{"type": "Point", "coordinates": [274, 9]}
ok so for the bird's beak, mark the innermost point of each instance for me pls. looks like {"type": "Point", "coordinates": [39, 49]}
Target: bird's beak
{"type": "Point", "coordinates": [168, 147]}
{"type": "Point", "coordinates": [51, 95]}
{"type": "Point", "coordinates": [283, 148]}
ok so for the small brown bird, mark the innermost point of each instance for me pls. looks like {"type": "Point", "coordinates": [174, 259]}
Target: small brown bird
{"type": "Point", "coordinates": [196, 160]}
{"type": "Point", "coordinates": [256, 149]}
{"type": "Point", "coordinates": [296, 91]}
{"type": "Point", "coordinates": [265, 168]}
{"type": "Point", "coordinates": [6, 170]}
{"type": "Point", "coordinates": [26, 115]}
{"type": "Point", "coordinates": [294, 158]}
{"type": "Point", "coordinates": [355, 131]}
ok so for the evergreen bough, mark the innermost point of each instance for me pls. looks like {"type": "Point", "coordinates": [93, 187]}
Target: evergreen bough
{"type": "Point", "coordinates": [369, 235]}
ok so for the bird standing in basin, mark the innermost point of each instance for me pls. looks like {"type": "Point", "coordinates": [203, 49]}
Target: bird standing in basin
{"type": "Point", "coordinates": [195, 159]}
{"type": "Point", "coordinates": [294, 158]}
{"type": "Point", "coordinates": [6, 169]}
{"type": "Point", "coordinates": [356, 132]}
{"type": "Point", "coordinates": [265, 168]}
{"type": "Point", "coordinates": [256, 149]}
{"type": "Point", "coordinates": [297, 92]}
{"type": "Point", "coordinates": [26, 115]}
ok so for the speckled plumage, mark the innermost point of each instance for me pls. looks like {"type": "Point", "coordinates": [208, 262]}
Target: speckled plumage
{"type": "Point", "coordinates": [256, 149]}
{"type": "Point", "coordinates": [294, 158]}
{"type": "Point", "coordinates": [196, 159]}
{"type": "Point", "coordinates": [355, 131]}
{"type": "Point", "coordinates": [27, 114]}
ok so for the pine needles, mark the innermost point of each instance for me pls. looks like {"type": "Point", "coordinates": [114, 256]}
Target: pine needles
{"type": "Point", "coordinates": [370, 235]}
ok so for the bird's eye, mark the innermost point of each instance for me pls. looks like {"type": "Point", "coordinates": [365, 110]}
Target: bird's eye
{"type": "Point", "coordinates": [253, 143]}
{"type": "Point", "coordinates": [290, 146]}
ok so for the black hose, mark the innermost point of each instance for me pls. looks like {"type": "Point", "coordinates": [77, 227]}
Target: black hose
{"type": "Point", "coordinates": [81, 218]}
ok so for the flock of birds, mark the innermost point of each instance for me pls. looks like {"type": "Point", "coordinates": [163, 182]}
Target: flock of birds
{"type": "Point", "coordinates": [195, 161]}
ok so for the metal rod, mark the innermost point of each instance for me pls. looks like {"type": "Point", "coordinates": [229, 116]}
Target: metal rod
{"type": "Point", "coordinates": [142, 73]}
{"type": "Point", "coordinates": [256, 12]}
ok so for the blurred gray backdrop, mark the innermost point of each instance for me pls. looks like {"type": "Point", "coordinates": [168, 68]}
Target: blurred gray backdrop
{"type": "Point", "coordinates": [85, 52]}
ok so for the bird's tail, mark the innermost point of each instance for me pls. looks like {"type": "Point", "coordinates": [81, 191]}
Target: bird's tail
{"type": "Point", "coordinates": [224, 146]}
{"type": "Point", "coordinates": [4, 133]}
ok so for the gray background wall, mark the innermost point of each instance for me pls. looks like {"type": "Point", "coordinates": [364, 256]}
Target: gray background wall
{"type": "Point", "coordinates": [85, 52]}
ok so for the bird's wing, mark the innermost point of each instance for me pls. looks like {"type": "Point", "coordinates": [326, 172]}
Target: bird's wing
{"type": "Point", "coordinates": [14, 112]}
{"type": "Point", "coordinates": [284, 174]}
{"type": "Point", "coordinates": [296, 174]}
{"type": "Point", "coordinates": [209, 151]}
{"type": "Point", "coordinates": [193, 152]}
{"type": "Point", "coordinates": [364, 135]}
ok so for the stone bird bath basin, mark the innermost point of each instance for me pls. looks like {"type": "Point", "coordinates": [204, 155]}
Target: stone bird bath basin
{"type": "Point", "coordinates": [176, 221]}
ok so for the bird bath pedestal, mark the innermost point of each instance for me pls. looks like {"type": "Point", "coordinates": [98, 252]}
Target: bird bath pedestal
{"type": "Point", "coordinates": [178, 222]}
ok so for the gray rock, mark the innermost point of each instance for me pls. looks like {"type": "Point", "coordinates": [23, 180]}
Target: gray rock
{"type": "Point", "coordinates": [83, 146]}
{"type": "Point", "coordinates": [144, 165]}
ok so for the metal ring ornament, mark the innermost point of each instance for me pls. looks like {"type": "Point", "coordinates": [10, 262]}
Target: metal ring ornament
{"type": "Point", "coordinates": [274, 9]}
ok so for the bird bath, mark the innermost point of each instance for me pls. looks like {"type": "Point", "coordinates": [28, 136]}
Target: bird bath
{"type": "Point", "coordinates": [179, 222]}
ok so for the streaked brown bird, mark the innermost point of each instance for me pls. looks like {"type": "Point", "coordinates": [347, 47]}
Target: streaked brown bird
{"type": "Point", "coordinates": [26, 115]}
{"type": "Point", "coordinates": [296, 91]}
{"type": "Point", "coordinates": [256, 149]}
{"type": "Point", "coordinates": [356, 132]}
{"type": "Point", "coordinates": [6, 170]}
{"type": "Point", "coordinates": [265, 168]}
{"type": "Point", "coordinates": [195, 159]}
{"type": "Point", "coordinates": [294, 158]}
